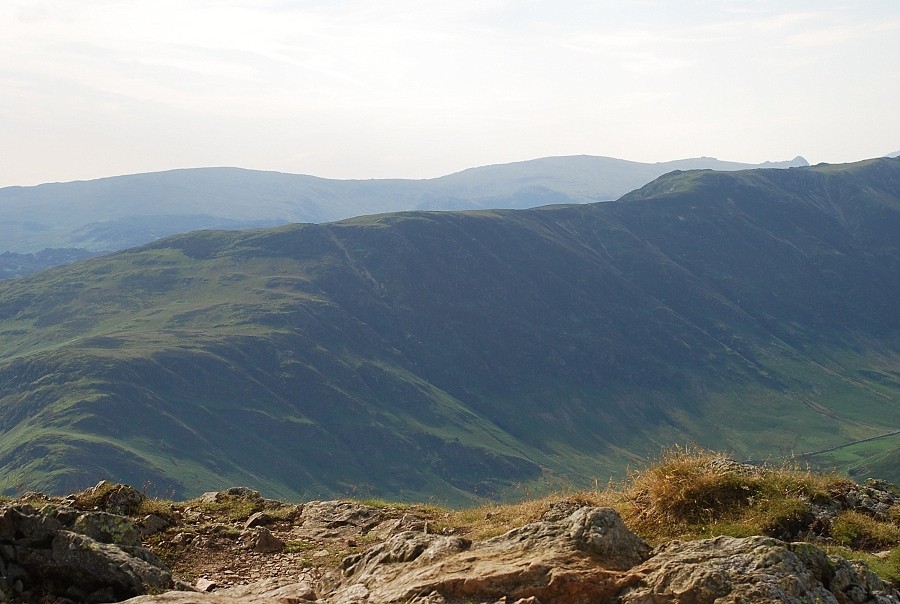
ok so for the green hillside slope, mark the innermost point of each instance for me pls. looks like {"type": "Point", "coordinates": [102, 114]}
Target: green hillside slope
{"type": "Point", "coordinates": [461, 355]}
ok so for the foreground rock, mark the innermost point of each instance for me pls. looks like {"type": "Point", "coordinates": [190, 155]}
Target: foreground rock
{"type": "Point", "coordinates": [752, 569]}
{"type": "Point", "coordinates": [59, 552]}
{"type": "Point", "coordinates": [578, 559]}
{"type": "Point", "coordinates": [586, 556]}
{"type": "Point", "coordinates": [236, 547]}
{"type": "Point", "coordinates": [268, 591]}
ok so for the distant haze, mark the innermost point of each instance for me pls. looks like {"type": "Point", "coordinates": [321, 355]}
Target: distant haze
{"type": "Point", "coordinates": [406, 89]}
{"type": "Point", "coordinates": [114, 213]}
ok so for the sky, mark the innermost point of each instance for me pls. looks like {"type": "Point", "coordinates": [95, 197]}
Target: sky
{"type": "Point", "coordinates": [419, 89]}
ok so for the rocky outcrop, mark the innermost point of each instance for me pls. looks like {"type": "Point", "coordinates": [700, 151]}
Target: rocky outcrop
{"type": "Point", "coordinates": [577, 559]}
{"type": "Point", "coordinates": [81, 556]}
{"type": "Point", "coordinates": [329, 519]}
{"type": "Point", "coordinates": [110, 497]}
{"type": "Point", "coordinates": [873, 498]}
{"type": "Point", "coordinates": [751, 569]}
{"type": "Point", "coordinates": [590, 556]}
{"type": "Point", "coordinates": [78, 550]}
{"type": "Point", "coordinates": [574, 555]}
{"type": "Point", "coordinates": [269, 591]}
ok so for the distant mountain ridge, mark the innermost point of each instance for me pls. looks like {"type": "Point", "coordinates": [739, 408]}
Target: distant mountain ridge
{"type": "Point", "coordinates": [119, 212]}
{"type": "Point", "coordinates": [457, 355]}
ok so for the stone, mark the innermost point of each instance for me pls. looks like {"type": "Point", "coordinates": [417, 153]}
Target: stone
{"type": "Point", "coordinates": [65, 514]}
{"type": "Point", "coordinates": [22, 525]}
{"type": "Point", "coordinates": [152, 524]}
{"type": "Point", "coordinates": [232, 493]}
{"type": "Point", "coordinates": [392, 526]}
{"type": "Point", "coordinates": [204, 585]}
{"type": "Point", "coordinates": [108, 528]}
{"type": "Point", "coordinates": [242, 493]}
{"type": "Point", "coordinates": [273, 504]}
{"type": "Point", "coordinates": [277, 590]}
{"type": "Point", "coordinates": [114, 498]}
{"type": "Point", "coordinates": [260, 539]}
{"type": "Point", "coordinates": [126, 572]}
{"type": "Point", "coordinates": [42, 554]}
{"type": "Point", "coordinates": [267, 591]}
{"type": "Point", "coordinates": [181, 539]}
{"type": "Point", "coordinates": [580, 558]}
{"type": "Point", "coordinates": [559, 510]}
{"type": "Point", "coordinates": [338, 514]}
{"type": "Point", "coordinates": [753, 569]}
{"type": "Point", "coordinates": [209, 497]}
{"type": "Point", "coordinates": [258, 519]}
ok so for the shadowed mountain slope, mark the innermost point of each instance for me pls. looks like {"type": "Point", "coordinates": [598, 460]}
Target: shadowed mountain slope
{"type": "Point", "coordinates": [460, 355]}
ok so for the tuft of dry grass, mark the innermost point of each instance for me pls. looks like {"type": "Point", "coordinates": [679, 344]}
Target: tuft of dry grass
{"type": "Point", "coordinates": [163, 508]}
{"type": "Point", "coordinates": [894, 514]}
{"type": "Point", "coordinates": [691, 493]}
{"type": "Point", "coordinates": [858, 531]}
{"type": "Point", "coordinates": [687, 493]}
{"type": "Point", "coordinates": [95, 497]}
{"type": "Point", "coordinates": [228, 509]}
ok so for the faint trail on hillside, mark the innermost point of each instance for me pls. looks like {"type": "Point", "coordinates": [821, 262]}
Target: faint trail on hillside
{"type": "Point", "coordinates": [830, 449]}
{"type": "Point", "coordinates": [850, 444]}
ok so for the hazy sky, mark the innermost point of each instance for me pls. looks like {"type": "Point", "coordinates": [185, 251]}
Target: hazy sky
{"type": "Point", "coordinates": [415, 89]}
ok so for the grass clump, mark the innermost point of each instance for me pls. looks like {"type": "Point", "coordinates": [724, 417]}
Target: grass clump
{"type": "Point", "coordinates": [110, 497]}
{"type": "Point", "coordinates": [230, 509]}
{"type": "Point", "coordinates": [301, 546]}
{"type": "Point", "coordinates": [164, 508]}
{"type": "Point", "coordinates": [858, 531]}
{"type": "Point", "coordinates": [285, 512]}
{"type": "Point", "coordinates": [889, 567]}
{"type": "Point", "coordinates": [690, 493]}
{"type": "Point", "coordinates": [95, 497]}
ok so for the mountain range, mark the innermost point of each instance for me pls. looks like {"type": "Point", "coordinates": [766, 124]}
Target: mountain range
{"type": "Point", "coordinates": [469, 354]}
{"type": "Point", "coordinates": [124, 211]}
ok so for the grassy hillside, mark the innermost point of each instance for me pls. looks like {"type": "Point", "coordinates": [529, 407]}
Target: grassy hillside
{"type": "Point", "coordinates": [466, 355]}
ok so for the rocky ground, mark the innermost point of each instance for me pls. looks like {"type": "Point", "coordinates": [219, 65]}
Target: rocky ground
{"type": "Point", "coordinates": [110, 544]}
{"type": "Point", "coordinates": [278, 541]}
